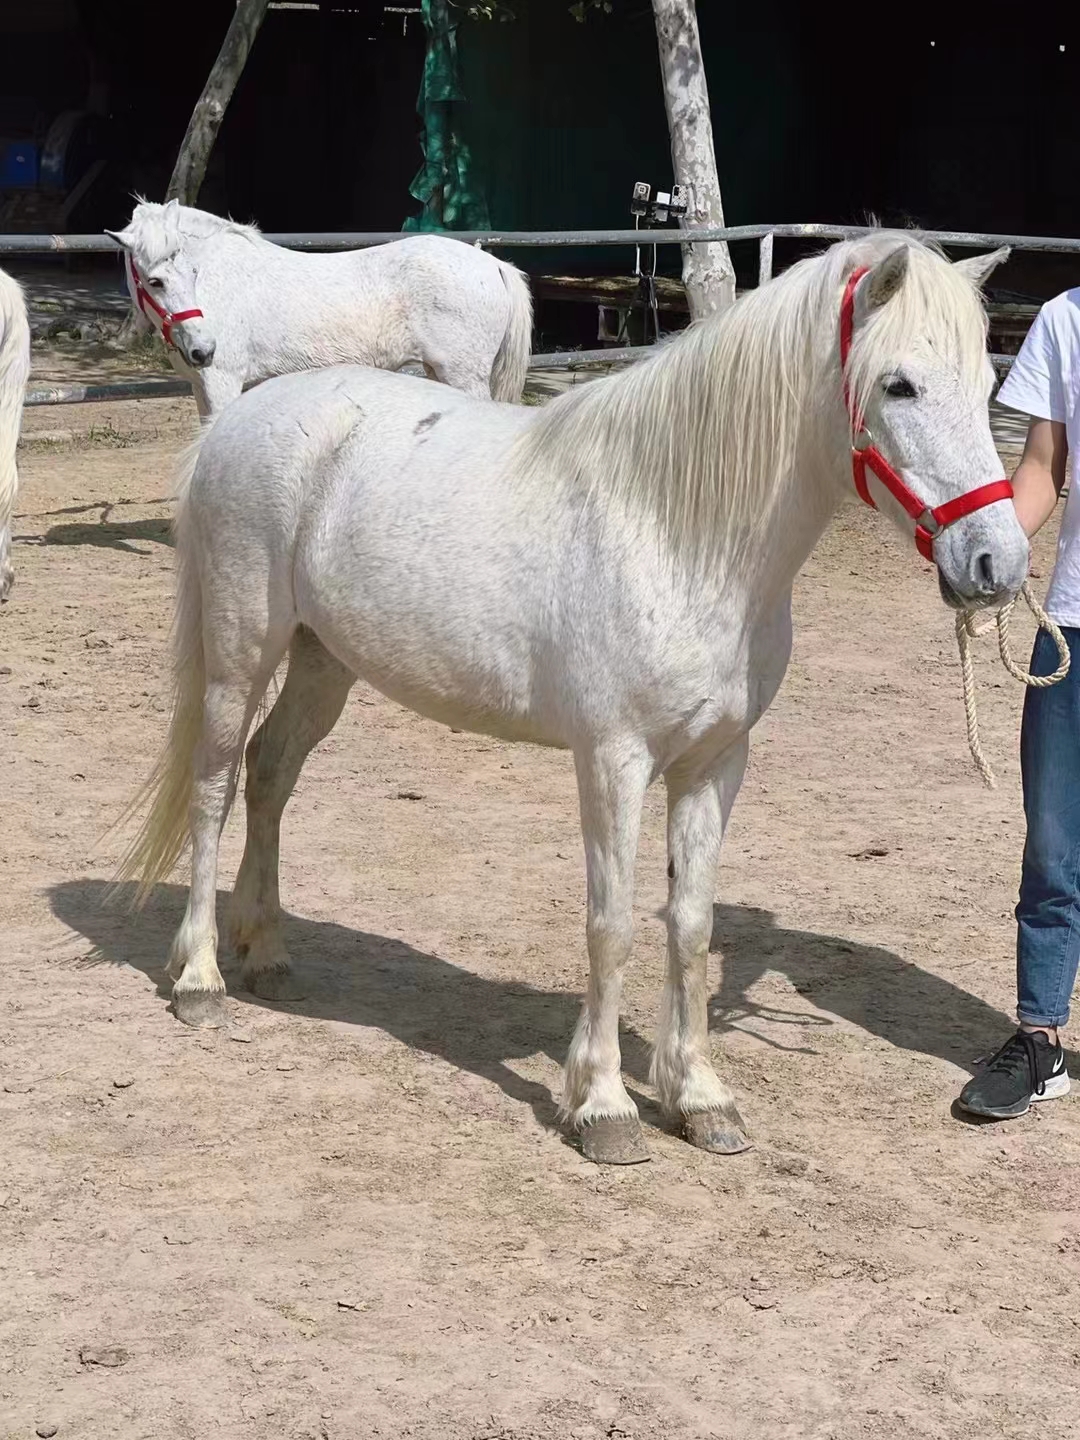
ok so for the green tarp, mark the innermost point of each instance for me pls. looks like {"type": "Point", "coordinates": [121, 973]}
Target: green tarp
{"type": "Point", "coordinates": [446, 184]}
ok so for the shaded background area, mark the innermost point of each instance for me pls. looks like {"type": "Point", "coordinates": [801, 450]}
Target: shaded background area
{"type": "Point", "coordinates": [321, 133]}
{"type": "Point", "coordinates": [948, 118]}
{"type": "Point", "coordinates": [936, 116]}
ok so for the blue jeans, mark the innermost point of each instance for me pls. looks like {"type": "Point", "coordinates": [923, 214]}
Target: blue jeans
{"type": "Point", "coordinates": [1048, 913]}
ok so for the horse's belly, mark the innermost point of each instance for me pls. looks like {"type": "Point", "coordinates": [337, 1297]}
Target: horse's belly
{"type": "Point", "coordinates": [448, 651]}
{"type": "Point", "coordinates": [414, 665]}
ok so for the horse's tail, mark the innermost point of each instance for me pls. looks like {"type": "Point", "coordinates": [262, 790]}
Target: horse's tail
{"type": "Point", "coordinates": [512, 362]}
{"type": "Point", "coordinates": [164, 832]}
{"type": "Point", "coordinates": [14, 369]}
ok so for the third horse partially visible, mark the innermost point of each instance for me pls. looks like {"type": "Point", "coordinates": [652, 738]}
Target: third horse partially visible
{"type": "Point", "coordinates": [235, 309]}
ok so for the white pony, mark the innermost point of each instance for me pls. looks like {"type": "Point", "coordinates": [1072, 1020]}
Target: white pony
{"type": "Point", "coordinates": [14, 370]}
{"type": "Point", "coordinates": [235, 309]}
{"type": "Point", "coordinates": [611, 574]}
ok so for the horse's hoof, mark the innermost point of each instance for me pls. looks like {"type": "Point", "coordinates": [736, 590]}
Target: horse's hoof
{"type": "Point", "coordinates": [614, 1142]}
{"type": "Point", "coordinates": [722, 1132]}
{"type": "Point", "coordinates": [274, 985]}
{"type": "Point", "coordinates": [201, 1009]}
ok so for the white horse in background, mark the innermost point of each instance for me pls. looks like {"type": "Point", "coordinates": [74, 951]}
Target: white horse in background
{"type": "Point", "coordinates": [14, 370]}
{"type": "Point", "coordinates": [235, 309]}
{"type": "Point", "coordinates": [611, 574]}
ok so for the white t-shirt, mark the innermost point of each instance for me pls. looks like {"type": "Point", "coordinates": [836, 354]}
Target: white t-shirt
{"type": "Point", "coordinates": [1045, 382]}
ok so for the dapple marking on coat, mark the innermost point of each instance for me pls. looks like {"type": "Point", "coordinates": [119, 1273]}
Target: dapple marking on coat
{"type": "Point", "coordinates": [426, 300]}
{"type": "Point", "coordinates": [611, 574]}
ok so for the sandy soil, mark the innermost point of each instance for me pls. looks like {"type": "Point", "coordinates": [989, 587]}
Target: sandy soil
{"type": "Point", "coordinates": [353, 1216]}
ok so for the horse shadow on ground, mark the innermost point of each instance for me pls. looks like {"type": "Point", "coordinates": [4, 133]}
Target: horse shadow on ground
{"type": "Point", "coordinates": [106, 531]}
{"type": "Point", "coordinates": [482, 1025]}
{"type": "Point", "coordinates": [880, 992]}
{"type": "Point", "coordinates": [112, 535]}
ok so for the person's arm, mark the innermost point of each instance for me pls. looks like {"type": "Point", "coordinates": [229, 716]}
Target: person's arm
{"type": "Point", "coordinates": [1041, 474]}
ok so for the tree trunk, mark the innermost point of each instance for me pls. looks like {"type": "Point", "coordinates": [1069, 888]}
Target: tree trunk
{"type": "Point", "coordinates": [190, 169]}
{"type": "Point", "coordinates": [707, 270]}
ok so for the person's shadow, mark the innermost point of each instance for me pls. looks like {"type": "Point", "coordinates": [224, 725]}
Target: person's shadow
{"type": "Point", "coordinates": [482, 1025]}
{"type": "Point", "coordinates": [870, 987]}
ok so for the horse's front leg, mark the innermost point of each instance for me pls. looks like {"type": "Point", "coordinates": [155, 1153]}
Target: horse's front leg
{"type": "Point", "coordinates": [698, 808]}
{"type": "Point", "coordinates": [213, 389]}
{"type": "Point", "coordinates": [611, 785]}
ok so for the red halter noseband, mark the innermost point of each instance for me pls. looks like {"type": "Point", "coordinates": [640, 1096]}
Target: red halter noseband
{"type": "Point", "coordinates": [929, 523]}
{"type": "Point", "coordinates": [143, 298]}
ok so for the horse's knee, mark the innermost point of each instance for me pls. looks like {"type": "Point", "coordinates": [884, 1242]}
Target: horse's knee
{"type": "Point", "coordinates": [610, 936]}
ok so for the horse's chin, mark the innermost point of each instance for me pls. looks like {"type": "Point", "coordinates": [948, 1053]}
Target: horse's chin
{"type": "Point", "coordinates": [956, 601]}
{"type": "Point", "coordinates": [948, 594]}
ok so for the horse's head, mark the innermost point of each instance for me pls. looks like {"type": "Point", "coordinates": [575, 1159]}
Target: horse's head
{"type": "Point", "coordinates": [917, 384]}
{"type": "Point", "coordinates": [163, 275]}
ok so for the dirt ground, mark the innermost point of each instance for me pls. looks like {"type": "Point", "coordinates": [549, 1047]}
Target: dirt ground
{"type": "Point", "coordinates": [353, 1216]}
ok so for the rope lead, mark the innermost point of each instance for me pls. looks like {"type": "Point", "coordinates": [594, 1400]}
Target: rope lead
{"type": "Point", "coordinates": [967, 630]}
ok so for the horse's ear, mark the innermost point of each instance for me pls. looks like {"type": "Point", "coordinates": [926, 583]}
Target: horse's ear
{"type": "Point", "coordinates": [979, 268]}
{"type": "Point", "coordinates": [172, 204]}
{"type": "Point", "coordinates": [122, 237]}
{"type": "Point", "coordinates": [886, 278]}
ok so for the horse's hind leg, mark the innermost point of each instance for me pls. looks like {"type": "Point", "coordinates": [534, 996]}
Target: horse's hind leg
{"type": "Point", "coordinates": [689, 1088]}
{"type": "Point", "coordinates": [306, 711]}
{"type": "Point", "coordinates": [611, 786]}
{"type": "Point", "coordinates": [229, 701]}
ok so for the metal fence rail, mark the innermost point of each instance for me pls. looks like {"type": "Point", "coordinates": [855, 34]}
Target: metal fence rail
{"type": "Point", "coordinates": [119, 390]}
{"type": "Point", "coordinates": [765, 235]}
{"type": "Point", "coordinates": [166, 389]}
{"type": "Point", "coordinates": [549, 239]}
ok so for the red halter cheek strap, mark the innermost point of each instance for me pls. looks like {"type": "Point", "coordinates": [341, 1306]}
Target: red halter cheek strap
{"type": "Point", "coordinates": [929, 523]}
{"type": "Point", "coordinates": [144, 299]}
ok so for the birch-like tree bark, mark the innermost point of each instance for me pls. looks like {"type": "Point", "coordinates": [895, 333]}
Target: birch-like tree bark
{"type": "Point", "coordinates": [707, 270]}
{"type": "Point", "coordinates": [190, 168]}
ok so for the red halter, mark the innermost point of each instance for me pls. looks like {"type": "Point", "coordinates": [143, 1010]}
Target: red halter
{"type": "Point", "coordinates": [929, 523]}
{"type": "Point", "coordinates": [143, 298]}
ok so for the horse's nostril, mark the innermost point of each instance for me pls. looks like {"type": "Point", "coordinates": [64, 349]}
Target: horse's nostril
{"type": "Point", "coordinates": [199, 356]}
{"type": "Point", "coordinates": [984, 570]}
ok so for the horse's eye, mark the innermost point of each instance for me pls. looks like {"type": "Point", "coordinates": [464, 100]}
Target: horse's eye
{"type": "Point", "coordinates": [155, 284]}
{"type": "Point", "coordinates": [899, 387]}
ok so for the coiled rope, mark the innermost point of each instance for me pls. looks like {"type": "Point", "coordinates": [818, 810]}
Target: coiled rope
{"type": "Point", "coordinates": [967, 630]}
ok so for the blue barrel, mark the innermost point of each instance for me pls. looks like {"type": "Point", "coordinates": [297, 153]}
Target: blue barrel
{"type": "Point", "coordinates": [18, 165]}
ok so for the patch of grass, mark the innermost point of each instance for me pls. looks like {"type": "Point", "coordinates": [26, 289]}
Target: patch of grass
{"type": "Point", "coordinates": [145, 348]}
{"type": "Point", "coordinates": [109, 436]}
{"type": "Point", "coordinates": [105, 436]}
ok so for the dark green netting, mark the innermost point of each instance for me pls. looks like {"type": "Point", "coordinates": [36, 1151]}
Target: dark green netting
{"type": "Point", "coordinates": [446, 184]}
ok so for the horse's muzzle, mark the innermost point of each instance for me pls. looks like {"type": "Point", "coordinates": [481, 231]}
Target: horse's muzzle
{"type": "Point", "coordinates": [201, 354]}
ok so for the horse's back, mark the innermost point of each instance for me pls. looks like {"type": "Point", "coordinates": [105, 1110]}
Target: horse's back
{"type": "Point", "coordinates": [368, 497]}
{"type": "Point", "coordinates": [340, 436]}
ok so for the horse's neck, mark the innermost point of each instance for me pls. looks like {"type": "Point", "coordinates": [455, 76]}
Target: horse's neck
{"type": "Point", "coordinates": [761, 566]}
{"type": "Point", "coordinates": [798, 514]}
{"type": "Point", "coordinates": [238, 260]}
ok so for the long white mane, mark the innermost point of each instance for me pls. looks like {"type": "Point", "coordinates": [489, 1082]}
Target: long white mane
{"type": "Point", "coordinates": [703, 434]}
{"type": "Point", "coordinates": [158, 232]}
